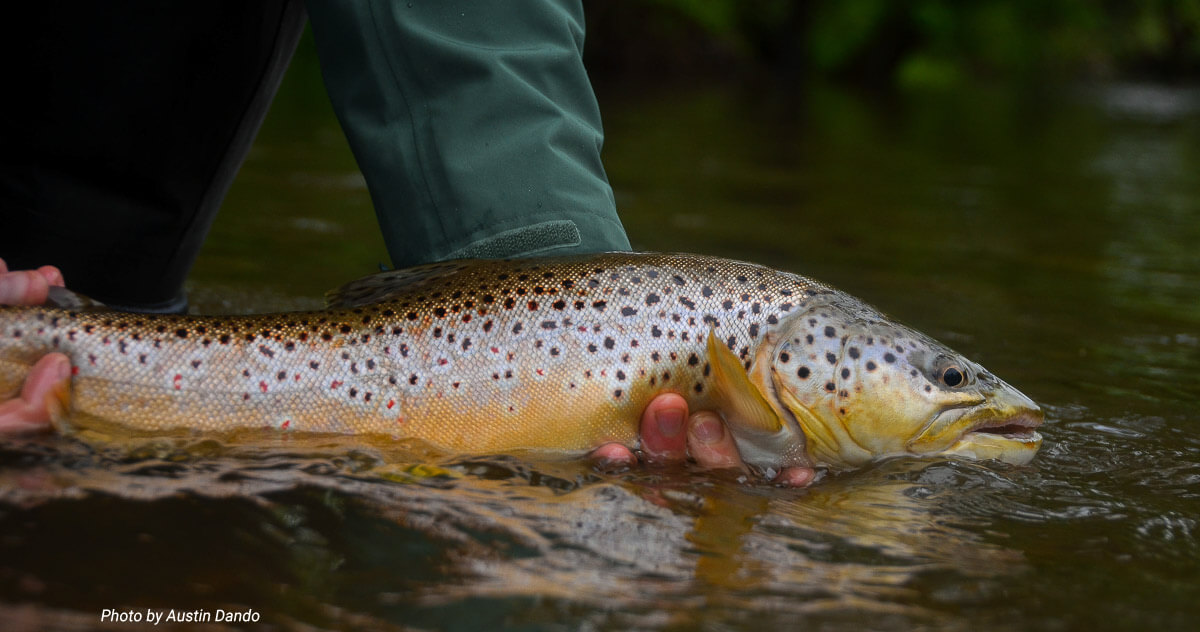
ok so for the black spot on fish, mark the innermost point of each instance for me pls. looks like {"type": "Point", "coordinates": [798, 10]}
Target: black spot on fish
{"type": "Point", "coordinates": [784, 357]}
{"type": "Point", "coordinates": [609, 343]}
{"type": "Point", "coordinates": [870, 365]}
{"type": "Point", "coordinates": [829, 386]}
{"type": "Point", "coordinates": [559, 304]}
{"type": "Point", "coordinates": [830, 332]}
{"type": "Point", "coordinates": [854, 352]}
{"type": "Point", "coordinates": [600, 305]}
{"type": "Point", "coordinates": [592, 348]}
{"type": "Point", "coordinates": [754, 330]}
{"type": "Point", "coordinates": [412, 379]}
{"type": "Point", "coordinates": [728, 304]}
{"type": "Point", "coordinates": [549, 324]}
{"type": "Point", "coordinates": [845, 373]}
{"type": "Point", "coordinates": [628, 311]}
{"type": "Point", "coordinates": [655, 331]}
{"type": "Point", "coordinates": [889, 358]}
{"type": "Point", "coordinates": [687, 302]}
{"type": "Point", "coordinates": [802, 373]}
{"type": "Point", "coordinates": [699, 387]}
{"type": "Point", "coordinates": [517, 327]}
{"type": "Point", "coordinates": [651, 299]}
{"type": "Point", "coordinates": [621, 376]}
{"type": "Point", "coordinates": [831, 358]}
{"type": "Point", "coordinates": [693, 360]}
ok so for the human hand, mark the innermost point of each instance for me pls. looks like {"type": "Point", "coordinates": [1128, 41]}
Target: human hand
{"type": "Point", "coordinates": [670, 435]}
{"type": "Point", "coordinates": [29, 410]}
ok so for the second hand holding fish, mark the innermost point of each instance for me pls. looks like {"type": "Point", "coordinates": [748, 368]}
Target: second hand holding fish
{"type": "Point", "coordinates": [669, 433]}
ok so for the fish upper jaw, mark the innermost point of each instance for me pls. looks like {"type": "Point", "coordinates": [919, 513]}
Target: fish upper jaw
{"type": "Point", "coordinates": [1002, 427]}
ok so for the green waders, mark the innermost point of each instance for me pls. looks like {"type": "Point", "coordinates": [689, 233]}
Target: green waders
{"type": "Point", "coordinates": [124, 124]}
{"type": "Point", "coordinates": [474, 124]}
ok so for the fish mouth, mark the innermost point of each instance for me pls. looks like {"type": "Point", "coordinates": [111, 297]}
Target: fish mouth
{"type": "Point", "coordinates": [1009, 436]}
{"type": "Point", "coordinates": [1021, 428]}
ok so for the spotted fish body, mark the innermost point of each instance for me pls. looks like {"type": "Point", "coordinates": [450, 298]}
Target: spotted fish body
{"type": "Point", "coordinates": [475, 356]}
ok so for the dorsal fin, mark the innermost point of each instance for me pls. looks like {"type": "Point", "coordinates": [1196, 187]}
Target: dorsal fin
{"type": "Point", "coordinates": [63, 298]}
{"type": "Point", "coordinates": [384, 286]}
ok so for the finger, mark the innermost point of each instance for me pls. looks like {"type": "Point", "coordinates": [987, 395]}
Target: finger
{"type": "Point", "coordinates": [710, 444]}
{"type": "Point", "coordinates": [662, 428]}
{"type": "Point", "coordinates": [613, 455]}
{"type": "Point", "coordinates": [30, 411]}
{"type": "Point", "coordinates": [3, 266]}
{"type": "Point", "coordinates": [24, 287]}
{"type": "Point", "coordinates": [796, 477]}
{"type": "Point", "coordinates": [52, 275]}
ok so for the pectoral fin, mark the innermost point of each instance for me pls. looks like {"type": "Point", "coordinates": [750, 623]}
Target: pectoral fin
{"type": "Point", "coordinates": [741, 402]}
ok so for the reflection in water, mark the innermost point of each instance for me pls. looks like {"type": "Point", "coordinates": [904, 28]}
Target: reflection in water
{"type": "Point", "coordinates": [643, 548]}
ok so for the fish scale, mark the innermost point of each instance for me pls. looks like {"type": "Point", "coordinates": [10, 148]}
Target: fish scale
{"type": "Point", "coordinates": [558, 354]}
{"type": "Point", "coordinates": [482, 356]}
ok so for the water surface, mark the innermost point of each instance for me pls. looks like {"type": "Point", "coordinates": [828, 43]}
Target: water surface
{"type": "Point", "coordinates": [1052, 235]}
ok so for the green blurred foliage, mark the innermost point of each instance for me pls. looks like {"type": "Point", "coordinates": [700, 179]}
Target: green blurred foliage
{"type": "Point", "coordinates": [934, 43]}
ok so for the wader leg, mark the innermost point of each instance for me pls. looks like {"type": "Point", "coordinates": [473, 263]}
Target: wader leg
{"type": "Point", "coordinates": [123, 124]}
{"type": "Point", "coordinates": [474, 124]}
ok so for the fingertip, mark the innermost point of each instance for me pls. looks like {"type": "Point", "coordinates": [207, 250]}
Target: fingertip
{"type": "Point", "coordinates": [796, 477]}
{"type": "Point", "coordinates": [706, 428]}
{"type": "Point", "coordinates": [709, 443]}
{"type": "Point", "coordinates": [52, 275]}
{"type": "Point", "coordinates": [613, 456]}
{"type": "Point", "coordinates": [662, 428]}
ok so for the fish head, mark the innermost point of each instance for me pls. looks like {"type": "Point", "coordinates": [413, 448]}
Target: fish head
{"type": "Point", "coordinates": [862, 387]}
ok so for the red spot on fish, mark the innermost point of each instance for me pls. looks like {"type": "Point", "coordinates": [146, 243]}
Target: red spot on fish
{"type": "Point", "coordinates": [178, 381]}
{"type": "Point", "coordinates": [297, 377]}
{"type": "Point", "coordinates": [541, 372]}
{"type": "Point", "coordinates": [400, 420]}
{"type": "Point", "coordinates": [442, 361]}
{"type": "Point", "coordinates": [495, 350]}
{"type": "Point", "coordinates": [74, 370]}
{"type": "Point", "coordinates": [262, 386]}
{"type": "Point", "coordinates": [335, 384]}
{"type": "Point", "coordinates": [285, 424]}
{"type": "Point", "coordinates": [391, 402]}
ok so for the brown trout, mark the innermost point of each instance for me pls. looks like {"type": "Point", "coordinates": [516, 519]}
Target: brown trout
{"type": "Point", "coordinates": [540, 354]}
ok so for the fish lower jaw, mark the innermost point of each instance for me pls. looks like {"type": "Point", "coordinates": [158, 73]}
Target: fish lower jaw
{"type": "Point", "coordinates": [1017, 445]}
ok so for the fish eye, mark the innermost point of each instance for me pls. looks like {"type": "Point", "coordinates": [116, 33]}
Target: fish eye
{"type": "Point", "coordinates": [952, 376]}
